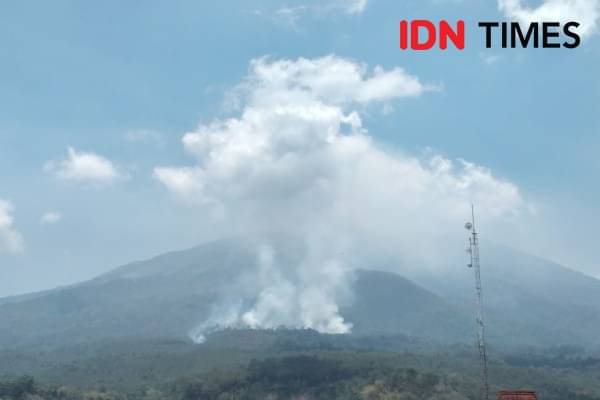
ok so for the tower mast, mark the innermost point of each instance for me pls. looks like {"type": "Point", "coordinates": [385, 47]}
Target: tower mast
{"type": "Point", "coordinates": [473, 251]}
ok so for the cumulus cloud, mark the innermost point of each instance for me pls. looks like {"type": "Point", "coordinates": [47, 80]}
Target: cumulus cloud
{"type": "Point", "coordinates": [84, 168]}
{"type": "Point", "coordinates": [586, 12]}
{"type": "Point", "coordinates": [298, 159]}
{"type": "Point", "coordinates": [50, 218]}
{"type": "Point", "coordinates": [291, 105]}
{"type": "Point", "coordinates": [331, 79]}
{"type": "Point", "coordinates": [11, 240]}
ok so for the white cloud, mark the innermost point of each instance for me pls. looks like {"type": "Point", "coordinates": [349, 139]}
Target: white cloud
{"type": "Point", "coordinates": [84, 168]}
{"type": "Point", "coordinates": [298, 159]}
{"type": "Point", "coordinates": [145, 136]}
{"type": "Point", "coordinates": [333, 79]}
{"type": "Point", "coordinates": [586, 12]}
{"type": "Point", "coordinates": [291, 104]}
{"type": "Point", "coordinates": [50, 218]}
{"type": "Point", "coordinates": [354, 6]}
{"type": "Point", "coordinates": [291, 15]}
{"type": "Point", "coordinates": [11, 241]}
{"type": "Point", "coordinates": [489, 59]}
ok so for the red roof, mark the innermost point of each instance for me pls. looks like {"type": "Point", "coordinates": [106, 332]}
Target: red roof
{"type": "Point", "coordinates": [517, 395]}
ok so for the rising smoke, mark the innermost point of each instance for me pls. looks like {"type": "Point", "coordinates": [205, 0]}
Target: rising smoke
{"type": "Point", "coordinates": [297, 159]}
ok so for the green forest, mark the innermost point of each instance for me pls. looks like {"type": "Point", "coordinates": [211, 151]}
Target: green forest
{"type": "Point", "coordinates": [289, 365]}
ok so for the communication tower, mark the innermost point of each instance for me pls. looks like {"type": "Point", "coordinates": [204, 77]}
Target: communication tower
{"type": "Point", "coordinates": [473, 251]}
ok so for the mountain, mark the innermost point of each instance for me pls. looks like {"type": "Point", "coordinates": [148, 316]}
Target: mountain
{"type": "Point", "coordinates": [528, 301]}
{"type": "Point", "coordinates": [164, 296]}
{"type": "Point", "coordinates": [388, 304]}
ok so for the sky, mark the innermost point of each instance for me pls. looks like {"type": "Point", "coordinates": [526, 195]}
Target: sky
{"type": "Point", "coordinates": [131, 129]}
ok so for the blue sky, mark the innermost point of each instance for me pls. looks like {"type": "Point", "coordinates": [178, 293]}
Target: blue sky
{"type": "Point", "coordinates": [126, 80]}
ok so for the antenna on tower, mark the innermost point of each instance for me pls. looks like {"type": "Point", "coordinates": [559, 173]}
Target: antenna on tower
{"type": "Point", "coordinates": [473, 251]}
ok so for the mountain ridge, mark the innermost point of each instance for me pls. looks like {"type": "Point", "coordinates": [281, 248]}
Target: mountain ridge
{"type": "Point", "coordinates": [170, 294]}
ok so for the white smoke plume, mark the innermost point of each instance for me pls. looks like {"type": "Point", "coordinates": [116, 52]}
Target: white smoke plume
{"type": "Point", "coordinates": [298, 159]}
{"type": "Point", "coordinates": [285, 294]}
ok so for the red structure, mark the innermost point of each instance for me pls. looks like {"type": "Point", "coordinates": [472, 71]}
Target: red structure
{"type": "Point", "coordinates": [517, 395]}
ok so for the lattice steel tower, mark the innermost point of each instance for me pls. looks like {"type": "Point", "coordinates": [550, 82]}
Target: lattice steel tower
{"type": "Point", "coordinates": [473, 251]}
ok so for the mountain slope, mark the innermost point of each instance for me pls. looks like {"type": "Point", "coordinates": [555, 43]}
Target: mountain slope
{"type": "Point", "coordinates": [527, 300]}
{"type": "Point", "coordinates": [387, 304]}
{"type": "Point", "coordinates": [172, 293]}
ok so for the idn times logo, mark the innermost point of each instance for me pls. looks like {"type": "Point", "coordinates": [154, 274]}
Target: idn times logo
{"type": "Point", "coordinates": [422, 34]}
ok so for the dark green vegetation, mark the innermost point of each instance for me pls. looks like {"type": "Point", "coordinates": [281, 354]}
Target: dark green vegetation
{"type": "Point", "coordinates": [124, 335]}
{"type": "Point", "coordinates": [288, 365]}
